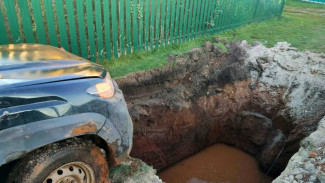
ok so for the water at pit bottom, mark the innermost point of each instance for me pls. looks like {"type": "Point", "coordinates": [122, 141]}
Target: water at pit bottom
{"type": "Point", "coordinates": [216, 164]}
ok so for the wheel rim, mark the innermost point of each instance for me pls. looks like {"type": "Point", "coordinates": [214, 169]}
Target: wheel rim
{"type": "Point", "coordinates": [75, 172]}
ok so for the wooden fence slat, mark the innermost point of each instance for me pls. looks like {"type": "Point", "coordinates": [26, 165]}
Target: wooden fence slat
{"type": "Point", "coordinates": [99, 30]}
{"type": "Point", "coordinates": [135, 25]}
{"type": "Point", "coordinates": [72, 27]}
{"type": "Point", "coordinates": [50, 22]}
{"type": "Point", "coordinates": [188, 30]}
{"type": "Point", "coordinates": [176, 21]}
{"type": "Point", "coordinates": [181, 22]}
{"type": "Point", "coordinates": [221, 13]}
{"type": "Point", "coordinates": [140, 17]}
{"type": "Point", "coordinates": [107, 29]}
{"type": "Point", "coordinates": [82, 29]}
{"type": "Point", "coordinates": [206, 15]}
{"type": "Point", "coordinates": [202, 18]}
{"type": "Point", "coordinates": [167, 22]}
{"type": "Point", "coordinates": [229, 11]}
{"type": "Point", "coordinates": [251, 11]}
{"type": "Point", "coordinates": [90, 28]}
{"type": "Point", "coordinates": [241, 14]}
{"type": "Point", "coordinates": [218, 15]}
{"type": "Point", "coordinates": [13, 21]}
{"type": "Point", "coordinates": [152, 22]}
{"type": "Point", "coordinates": [208, 18]}
{"type": "Point", "coordinates": [215, 16]}
{"type": "Point", "coordinates": [238, 18]}
{"type": "Point", "coordinates": [61, 24]}
{"type": "Point", "coordinates": [121, 26]}
{"type": "Point", "coordinates": [247, 5]}
{"type": "Point", "coordinates": [172, 21]}
{"type": "Point", "coordinates": [198, 13]}
{"type": "Point", "coordinates": [114, 28]}
{"type": "Point", "coordinates": [128, 26]}
{"type": "Point", "coordinates": [39, 23]}
{"type": "Point", "coordinates": [211, 16]}
{"type": "Point", "coordinates": [224, 17]}
{"type": "Point", "coordinates": [3, 38]}
{"type": "Point", "coordinates": [146, 24]}
{"type": "Point", "coordinates": [193, 19]}
{"type": "Point", "coordinates": [235, 18]}
{"type": "Point", "coordinates": [26, 21]}
{"type": "Point", "coordinates": [185, 21]}
{"type": "Point", "coordinates": [232, 15]}
{"type": "Point", "coordinates": [198, 33]}
{"type": "Point", "coordinates": [157, 23]}
{"type": "Point", "coordinates": [244, 12]}
{"type": "Point", "coordinates": [163, 18]}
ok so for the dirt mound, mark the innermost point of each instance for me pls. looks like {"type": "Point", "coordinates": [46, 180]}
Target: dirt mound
{"type": "Point", "coordinates": [255, 98]}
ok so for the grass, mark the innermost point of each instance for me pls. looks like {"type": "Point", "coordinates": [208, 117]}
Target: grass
{"type": "Point", "coordinates": [302, 24]}
{"type": "Point", "coordinates": [148, 59]}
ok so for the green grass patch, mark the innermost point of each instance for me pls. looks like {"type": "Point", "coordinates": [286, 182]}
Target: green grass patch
{"type": "Point", "coordinates": [302, 24]}
{"type": "Point", "coordinates": [143, 60]}
{"type": "Point", "coordinates": [303, 28]}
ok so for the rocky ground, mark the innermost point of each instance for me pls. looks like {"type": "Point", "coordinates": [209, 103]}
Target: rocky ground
{"type": "Point", "coordinates": [133, 171]}
{"type": "Point", "coordinates": [308, 164]}
{"type": "Point", "coordinates": [258, 99]}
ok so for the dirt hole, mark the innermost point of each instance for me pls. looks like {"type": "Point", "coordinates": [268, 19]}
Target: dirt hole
{"type": "Point", "coordinates": [253, 98]}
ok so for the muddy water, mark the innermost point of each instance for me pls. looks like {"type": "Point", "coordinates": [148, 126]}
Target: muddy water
{"type": "Point", "coordinates": [216, 164]}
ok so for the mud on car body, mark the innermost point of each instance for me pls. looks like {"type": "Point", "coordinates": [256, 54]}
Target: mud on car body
{"type": "Point", "coordinates": [62, 118]}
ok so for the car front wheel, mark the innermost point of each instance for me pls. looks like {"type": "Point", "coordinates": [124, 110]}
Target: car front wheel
{"type": "Point", "coordinates": [71, 161]}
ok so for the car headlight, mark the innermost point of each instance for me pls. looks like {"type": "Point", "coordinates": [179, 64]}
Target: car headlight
{"type": "Point", "coordinates": [104, 89]}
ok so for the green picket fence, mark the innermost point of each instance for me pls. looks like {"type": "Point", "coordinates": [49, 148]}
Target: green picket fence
{"type": "Point", "coordinates": [103, 29]}
{"type": "Point", "coordinates": [315, 1]}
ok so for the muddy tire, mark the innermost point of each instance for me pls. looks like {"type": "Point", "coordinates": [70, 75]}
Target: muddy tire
{"type": "Point", "coordinates": [72, 161]}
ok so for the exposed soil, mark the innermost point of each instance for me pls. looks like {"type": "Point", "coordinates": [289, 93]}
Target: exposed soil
{"type": "Point", "coordinates": [254, 98]}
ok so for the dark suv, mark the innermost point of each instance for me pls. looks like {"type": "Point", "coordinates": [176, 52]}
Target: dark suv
{"type": "Point", "coordinates": [62, 118]}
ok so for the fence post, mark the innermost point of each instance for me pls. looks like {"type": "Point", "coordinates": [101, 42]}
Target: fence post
{"type": "Point", "coordinates": [255, 12]}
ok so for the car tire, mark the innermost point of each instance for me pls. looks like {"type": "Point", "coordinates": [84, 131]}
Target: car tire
{"type": "Point", "coordinates": [74, 160]}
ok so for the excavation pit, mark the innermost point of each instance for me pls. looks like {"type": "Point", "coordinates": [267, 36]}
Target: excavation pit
{"type": "Point", "coordinates": [260, 100]}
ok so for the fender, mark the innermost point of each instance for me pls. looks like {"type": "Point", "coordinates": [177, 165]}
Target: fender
{"type": "Point", "coordinates": [17, 141]}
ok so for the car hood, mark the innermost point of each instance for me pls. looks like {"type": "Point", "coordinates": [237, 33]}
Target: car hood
{"type": "Point", "coordinates": [34, 63]}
